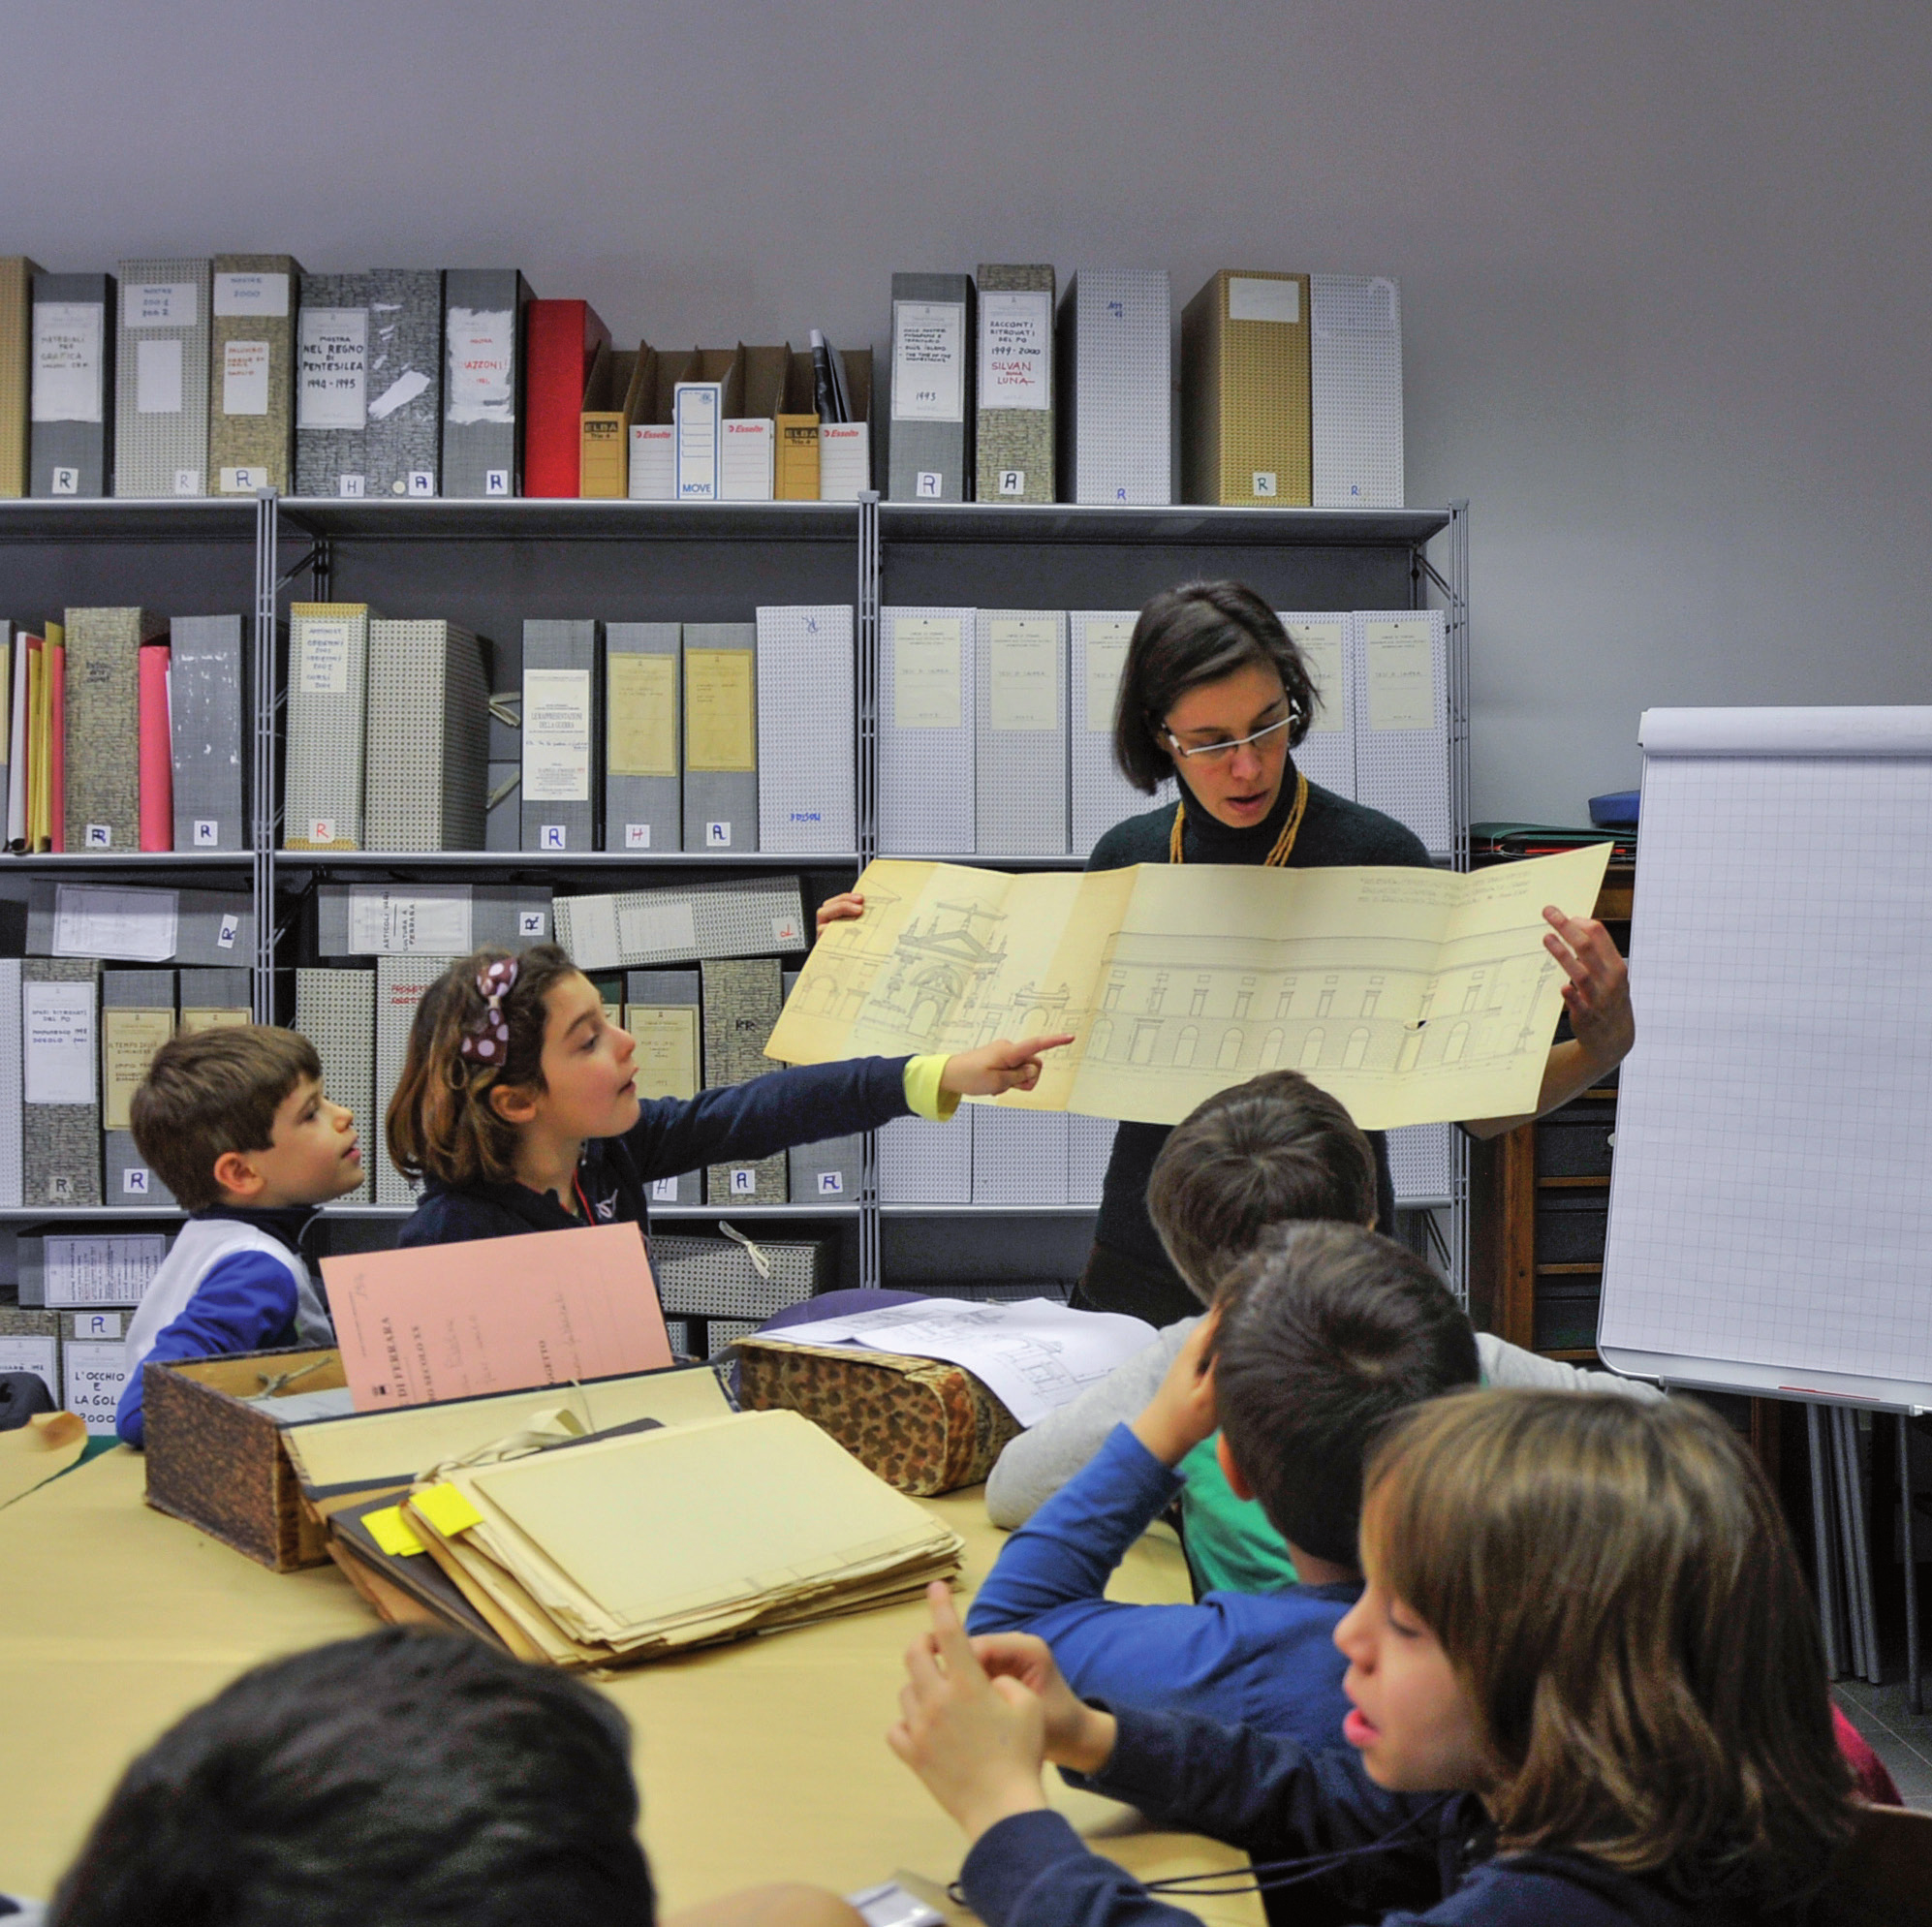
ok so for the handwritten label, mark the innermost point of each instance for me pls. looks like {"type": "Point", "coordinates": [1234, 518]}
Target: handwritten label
{"type": "Point", "coordinates": [245, 381]}
{"type": "Point", "coordinates": [58, 1037]}
{"type": "Point", "coordinates": [158, 303]}
{"type": "Point", "coordinates": [67, 362]}
{"type": "Point", "coordinates": [926, 673]}
{"type": "Point", "coordinates": [1016, 350]}
{"type": "Point", "coordinates": [556, 736]}
{"type": "Point", "coordinates": [928, 364]}
{"type": "Point", "coordinates": [325, 656]}
{"type": "Point", "coordinates": [96, 1377]}
{"type": "Point", "coordinates": [1107, 638]}
{"type": "Point", "coordinates": [482, 380]}
{"type": "Point", "coordinates": [249, 293]}
{"type": "Point", "coordinates": [644, 716]}
{"type": "Point", "coordinates": [331, 389]}
{"type": "Point", "coordinates": [1022, 672]}
{"type": "Point", "coordinates": [389, 923]}
{"type": "Point", "coordinates": [1401, 665]}
{"type": "Point", "coordinates": [720, 712]}
{"type": "Point", "coordinates": [97, 921]}
{"type": "Point", "coordinates": [129, 1040]}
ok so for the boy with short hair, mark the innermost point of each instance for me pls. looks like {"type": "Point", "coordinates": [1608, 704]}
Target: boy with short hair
{"type": "Point", "coordinates": [233, 1121]}
{"type": "Point", "coordinates": [1318, 1337]}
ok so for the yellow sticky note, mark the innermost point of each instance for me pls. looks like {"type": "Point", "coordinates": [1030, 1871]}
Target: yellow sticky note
{"type": "Point", "coordinates": [446, 1510]}
{"type": "Point", "coordinates": [392, 1532]}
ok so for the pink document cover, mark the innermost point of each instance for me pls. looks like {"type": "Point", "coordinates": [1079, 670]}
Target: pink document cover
{"type": "Point", "coordinates": [496, 1315]}
{"type": "Point", "coordinates": [157, 761]}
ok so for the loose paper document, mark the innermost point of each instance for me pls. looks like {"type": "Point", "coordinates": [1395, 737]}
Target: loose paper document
{"type": "Point", "coordinates": [1034, 1356]}
{"type": "Point", "coordinates": [456, 1320]}
{"type": "Point", "coordinates": [1413, 996]}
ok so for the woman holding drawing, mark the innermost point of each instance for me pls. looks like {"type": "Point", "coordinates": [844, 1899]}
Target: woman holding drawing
{"type": "Point", "coordinates": [1214, 692]}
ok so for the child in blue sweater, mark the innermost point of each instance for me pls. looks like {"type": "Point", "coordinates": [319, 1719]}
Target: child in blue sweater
{"type": "Point", "coordinates": [518, 1105]}
{"type": "Point", "coordinates": [1587, 1687]}
{"type": "Point", "coordinates": [236, 1124]}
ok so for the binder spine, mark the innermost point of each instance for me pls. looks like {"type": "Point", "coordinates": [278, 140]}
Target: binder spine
{"type": "Point", "coordinates": [16, 339]}
{"type": "Point", "coordinates": [930, 445]}
{"type": "Point", "coordinates": [336, 1009]}
{"type": "Point", "coordinates": [206, 704]}
{"type": "Point", "coordinates": [563, 731]}
{"type": "Point", "coordinates": [401, 444]}
{"type": "Point", "coordinates": [1356, 391]}
{"type": "Point", "coordinates": [252, 374]}
{"type": "Point", "coordinates": [1402, 721]}
{"type": "Point", "coordinates": [428, 741]}
{"type": "Point", "coordinates": [103, 732]}
{"type": "Point", "coordinates": [926, 706]}
{"type": "Point", "coordinates": [73, 393]}
{"type": "Point", "coordinates": [829, 1171]}
{"type": "Point", "coordinates": [157, 764]}
{"type": "Point", "coordinates": [127, 1179]}
{"type": "Point", "coordinates": [1020, 775]}
{"type": "Point", "coordinates": [11, 1131]}
{"type": "Point", "coordinates": [1326, 754]}
{"type": "Point", "coordinates": [161, 379]}
{"type": "Point", "coordinates": [1115, 402]}
{"type": "Point", "coordinates": [400, 983]}
{"type": "Point", "coordinates": [742, 1004]}
{"type": "Point", "coordinates": [61, 1161]}
{"type": "Point", "coordinates": [1014, 445]}
{"type": "Point", "coordinates": [1019, 1156]}
{"type": "Point", "coordinates": [331, 348]}
{"type": "Point", "coordinates": [807, 731]}
{"type": "Point", "coordinates": [643, 736]}
{"type": "Point", "coordinates": [482, 381]}
{"type": "Point", "coordinates": [1100, 796]}
{"type": "Point", "coordinates": [720, 803]}
{"type": "Point", "coordinates": [329, 671]}
{"type": "Point", "coordinates": [669, 990]}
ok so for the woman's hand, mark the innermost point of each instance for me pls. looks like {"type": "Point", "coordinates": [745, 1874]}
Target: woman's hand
{"type": "Point", "coordinates": [1597, 995]}
{"type": "Point", "coordinates": [1182, 1413]}
{"type": "Point", "coordinates": [837, 909]}
{"type": "Point", "coordinates": [998, 1067]}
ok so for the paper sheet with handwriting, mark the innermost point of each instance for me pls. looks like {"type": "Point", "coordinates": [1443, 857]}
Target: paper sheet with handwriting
{"type": "Point", "coordinates": [1034, 1356]}
{"type": "Point", "coordinates": [1414, 996]}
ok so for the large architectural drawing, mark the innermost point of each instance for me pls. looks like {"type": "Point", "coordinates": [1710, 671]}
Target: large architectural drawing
{"type": "Point", "coordinates": [1415, 996]}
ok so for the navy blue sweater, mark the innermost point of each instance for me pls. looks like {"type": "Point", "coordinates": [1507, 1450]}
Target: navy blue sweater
{"type": "Point", "coordinates": [1262, 1792]}
{"type": "Point", "coordinates": [736, 1122]}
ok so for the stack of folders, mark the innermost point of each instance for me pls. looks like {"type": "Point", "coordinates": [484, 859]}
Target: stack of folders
{"type": "Point", "coordinates": [631, 1548]}
{"type": "Point", "coordinates": [123, 731]}
{"type": "Point", "coordinates": [1015, 708]}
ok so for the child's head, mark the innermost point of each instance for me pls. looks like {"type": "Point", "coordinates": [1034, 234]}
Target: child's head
{"type": "Point", "coordinates": [1268, 1151]}
{"type": "Point", "coordinates": [1327, 1332]}
{"type": "Point", "coordinates": [500, 1042]}
{"type": "Point", "coordinates": [236, 1115]}
{"type": "Point", "coordinates": [406, 1776]}
{"type": "Point", "coordinates": [1588, 1611]}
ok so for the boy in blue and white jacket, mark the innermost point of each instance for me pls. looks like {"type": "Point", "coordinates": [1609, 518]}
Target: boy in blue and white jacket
{"type": "Point", "coordinates": [235, 1123]}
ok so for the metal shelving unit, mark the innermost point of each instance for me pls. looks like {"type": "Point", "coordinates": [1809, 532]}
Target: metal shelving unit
{"type": "Point", "coordinates": [489, 564]}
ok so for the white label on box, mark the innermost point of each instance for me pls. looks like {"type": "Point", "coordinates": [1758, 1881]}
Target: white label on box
{"type": "Point", "coordinates": [332, 370]}
{"type": "Point", "coordinates": [67, 362]}
{"type": "Point", "coordinates": [553, 836]}
{"type": "Point", "coordinates": [1022, 672]}
{"type": "Point", "coordinates": [1322, 649]}
{"type": "Point", "coordinates": [844, 460]}
{"type": "Point", "coordinates": [832, 1184]}
{"type": "Point", "coordinates": [786, 934]}
{"type": "Point", "coordinates": [929, 484]}
{"type": "Point", "coordinates": [101, 1268]}
{"type": "Point", "coordinates": [97, 921]}
{"type": "Point", "coordinates": [533, 923]}
{"type": "Point", "coordinates": [694, 411]}
{"type": "Point", "coordinates": [926, 673]}
{"type": "Point", "coordinates": [653, 463]}
{"type": "Point", "coordinates": [496, 481]}
{"type": "Point", "coordinates": [393, 923]}
{"type": "Point", "coordinates": [658, 926]}
{"type": "Point", "coordinates": [482, 380]}
{"type": "Point", "coordinates": [1265, 481]}
{"type": "Point", "coordinates": [157, 376]}
{"type": "Point", "coordinates": [89, 1325]}
{"type": "Point", "coordinates": [349, 484]}
{"type": "Point", "coordinates": [636, 836]}
{"type": "Point", "coordinates": [57, 1023]}
{"type": "Point", "coordinates": [556, 736]}
{"type": "Point", "coordinates": [159, 304]}
{"type": "Point", "coordinates": [245, 384]}
{"type": "Point", "coordinates": [745, 458]}
{"type": "Point", "coordinates": [243, 480]}
{"type": "Point", "coordinates": [664, 1190]}
{"type": "Point", "coordinates": [322, 830]}
{"type": "Point", "coordinates": [744, 1183]}
{"type": "Point", "coordinates": [207, 833]}
{"type": "Point", "coordinates": [67, 481]}
{"type": "Point", "coordinates": [187, 481]}
{"type": "Point", "coordinates": [136, 1182]}
{"type": "Point", "coordinates": [1013, 482]}
{"type": "Point", "coordinates": [231, 929]}
{"type": "Point", "coordinates": [927, 360]}
{"type": "Point", "coordinates": [1106, 658]}
{"type": "Point", "coordinates": [100, 836]}
{"type": "Point", "coordinates": [1250, 298]}
{"type": "Point", "coordinates": [265, 294]}
{"type": "Point", "coordinates": [324, 664]}
{"type": "Point", "coordinates": [717, 836]}
{"type": "Point", "coordinates": [1401, 673]}
{"type": "Point", "coordinates": [1015, 349]}
{"type": "Point", "coordinates": [421, 481]}
{"type": "Point", "coordinates": [400, 393]}
{"type": "Point", "coordinates": [96, 1377]}
{"type": "Point", "coordinates": [21, 1353]}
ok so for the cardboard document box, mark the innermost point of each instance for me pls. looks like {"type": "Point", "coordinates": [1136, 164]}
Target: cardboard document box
{"type": "Point", "coordinates": [328, 675]}
{"type": "Point", "coordinates": [635, 929]}
{"type": "Point", "coordinates": [17, 340]}
{"type": "Point", "coordinates": [137, 926]}
{"type": "Point", "coordinates": [1115, 402]}
{"type": "Point", "coordinates": [402, 440]}
{"type": "Point", "coordinates": [1326, 754]}
{"type": "Point", "coordinates": [1099, 795]}
{"type": "Point", "coordinates": [102, 733]}
{"type": "Point", "coordinates": [336, 1009]}
{"type": "Point", "coordinates": [653, 440]}
{"type": "Point", "coordinates": [484, 314]}
{"type": "Point", "coordinates": [830, 1171]}
{"type": "Point", "coordinates": [333, 356]}
{"type": "Point", "coordinates": [1401, 719]}
{"type": "Point", "coordinates": [717, 1278]}
{"type": "Point", "coordinates": [618, 392]}
{"type": "Point", "coordinates": [644, 739]}
{"type": "Point", "coordinates": [136, 1018]}
{"type": "Point", "coordinates": [161, 379]}
{"type": "Point", "coordinates": [934, 342]}
{"type": "Point", "coordinates": [1246, 436]}
{"type": "Point", "coordinates": [927, 697]}
{"type": "Point", "coordinates": [428, 737]}
{"type": "Point", "coordinates": [60, 1081]}
{"type": "Point", "coordinates": [563, 718]}
{"type": "Point", "coordinates": [252, 374]}
{"type": "Point", "coordinates": [206, 691]}
{"type": "Point", "coordinates": [721, 735]}
{"type": "Point", "coordinates": [808, 730]}
{"type": "Point", "coordinates": [663, 1013]}
{"type": "Point", "coordinates": [12, 1147]}
{"type": "Point", "coordinates": [796, 470]}
{"type": "Point", "coordinates": [1356, 388]}
{"type": "Point", "coordinates": [73, 394]}
{"type": "Point", "coordinates": [563, 340]}
{"type": "Point", "coordinates": [1019, 786]}
{"type": "Point", "coordinates": [742, 999]}
{"type": "Point", "coordinates": [1014, 438]}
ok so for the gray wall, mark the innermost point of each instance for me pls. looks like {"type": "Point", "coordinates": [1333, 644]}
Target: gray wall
{"type": "Point", "coordinates": [1665, 267]}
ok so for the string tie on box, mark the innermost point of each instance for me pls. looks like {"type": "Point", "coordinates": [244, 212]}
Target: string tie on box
{"type": "Point", "coordinates": [759, 1263]}
{"type": "Point", "coordinates": [487, 1040]}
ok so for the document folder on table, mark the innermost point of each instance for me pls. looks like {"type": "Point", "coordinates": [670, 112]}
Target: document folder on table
{"type": "Point", "coordinates": [161, 379]}
{"type": "Point", "coordinates": [1014, 437]}
{"type": "Point", "coordinates": [930, 453]}
{"type": "Point", "coordinates": [252, 374]}
{"type": "Point", "coordinates": [1115, 402]}
{"type": "Point", "coordinates": [482, 381]}
{"type": "Point", "coordinates": [73, 396]}
{"type": "Point", "coordinates": [644, 739]}
{"type": "Point", "coordinates": [1356, 378]}
{"type": "Point", "coordinates": [1020, 784]}
{"type": "Point", "coordinates": [1245, 429]}
{"type": "Point", "coordinates": [808, 730]}
{"type": "Point", "coordinates": [329, 672]}
{"type": "Point", "coordinates": [720, 736]}
{"type": "Point", "coordinates": [927, 697]}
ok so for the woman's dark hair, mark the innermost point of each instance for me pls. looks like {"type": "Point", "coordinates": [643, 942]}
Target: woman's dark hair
{"type": "Point", "coordinates": [1198, 634]}
{"type": "Point", "coordinates": [441, 1123]}
{"type": "Point", "coordinates": [404, 1777]}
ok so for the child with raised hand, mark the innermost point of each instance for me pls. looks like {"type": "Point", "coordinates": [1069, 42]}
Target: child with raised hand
{"type": "Point", "coordinates": [1588, 1688]}
{"type": "Point", "coordinates": [518, 1105]}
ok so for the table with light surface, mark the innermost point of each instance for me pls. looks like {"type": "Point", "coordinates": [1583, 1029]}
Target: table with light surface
{"type": "Point", "coordinates": [761, 1760]}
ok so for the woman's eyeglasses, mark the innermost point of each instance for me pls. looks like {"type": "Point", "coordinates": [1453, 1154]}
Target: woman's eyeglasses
{"type": "Point", "coordinates": [1211, 755]}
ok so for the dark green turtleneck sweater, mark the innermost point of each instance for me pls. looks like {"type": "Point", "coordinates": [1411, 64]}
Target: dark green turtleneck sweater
{"type": "Point", "coordinates": [1335, 833]}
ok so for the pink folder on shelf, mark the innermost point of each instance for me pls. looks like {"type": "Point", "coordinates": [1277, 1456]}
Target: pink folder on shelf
{"type": "Point", "coordinates": [496, 1315]}
{"type": "Point", "coordinates": [156, 753]}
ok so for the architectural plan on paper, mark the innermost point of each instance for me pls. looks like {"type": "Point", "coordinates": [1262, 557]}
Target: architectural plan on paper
{"type": "Point", "coordinates": [1414, 996]}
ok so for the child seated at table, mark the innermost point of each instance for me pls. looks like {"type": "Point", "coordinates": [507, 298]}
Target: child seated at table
{"type": "Point", "coordinates": [234, 1122]}
{"type": "Point", "coordinates": [404, 1777]}
{"type": "Point", "coordinates": [1587, 1686]}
